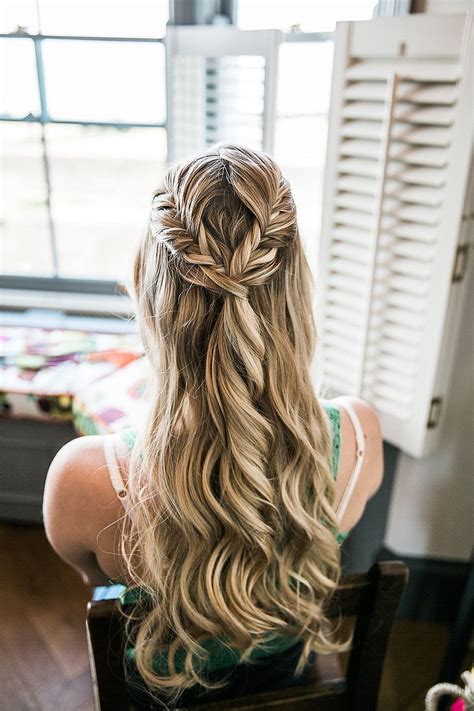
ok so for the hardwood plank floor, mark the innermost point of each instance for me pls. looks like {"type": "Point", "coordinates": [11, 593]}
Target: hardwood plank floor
{"type": "Point", "coordinates": [42, 632]}
{"type": "Point", "coordinates": [44, 664]}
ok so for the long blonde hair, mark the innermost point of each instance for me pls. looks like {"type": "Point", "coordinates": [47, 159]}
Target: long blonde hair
{"type": "Point", "coordinates": [234, 529]}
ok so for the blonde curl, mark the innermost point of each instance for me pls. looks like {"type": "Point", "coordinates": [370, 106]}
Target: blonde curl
{"type": "Point", "coordinates": [234, 533]}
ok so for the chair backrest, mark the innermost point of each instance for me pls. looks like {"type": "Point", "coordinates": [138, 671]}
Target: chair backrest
{"type": "Point", "coordinates": [371, 598]}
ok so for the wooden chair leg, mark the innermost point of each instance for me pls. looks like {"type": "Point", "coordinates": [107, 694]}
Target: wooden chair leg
{"type": "Point", "coordinates": [372, 634]}
{"type": "Point", "coordinates": [461, 633]}
{"type": "Point", "coordinates": [105, 627]}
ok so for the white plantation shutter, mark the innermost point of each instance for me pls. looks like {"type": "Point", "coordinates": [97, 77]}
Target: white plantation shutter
{"type": "Point", "coordinates": [398, 159]}
{"type": "Point", "coordinates": [221, 86]}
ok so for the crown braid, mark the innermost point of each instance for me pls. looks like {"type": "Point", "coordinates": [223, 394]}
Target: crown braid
{"type": "Point", "coordinates": [205, 258]}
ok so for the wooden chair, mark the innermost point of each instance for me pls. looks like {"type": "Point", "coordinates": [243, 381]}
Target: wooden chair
{"type": "Point", "coordinates": [371, 598]}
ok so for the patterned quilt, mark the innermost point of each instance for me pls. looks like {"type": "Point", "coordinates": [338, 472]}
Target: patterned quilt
{"type": "Point", "coordinates": [56, 374]}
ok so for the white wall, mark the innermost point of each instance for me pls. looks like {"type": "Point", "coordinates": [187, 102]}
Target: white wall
{"type": "Point", "coordinates": [432, 505]}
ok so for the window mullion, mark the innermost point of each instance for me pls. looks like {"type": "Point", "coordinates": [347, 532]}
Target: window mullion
{"type": "Point", "coordinates": [44, 118]}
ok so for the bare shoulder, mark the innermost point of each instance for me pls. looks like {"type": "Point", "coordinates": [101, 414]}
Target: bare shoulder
{"type": "Point", "coordinates": [78, 495]}
{"type": "Point", "coordinates": [75, 468]}
{"type": "Point", "coordinates": [371, 474]}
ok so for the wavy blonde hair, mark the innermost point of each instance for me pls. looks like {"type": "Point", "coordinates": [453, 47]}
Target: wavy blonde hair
{"type": "Point", "coordinates": [234, 528]}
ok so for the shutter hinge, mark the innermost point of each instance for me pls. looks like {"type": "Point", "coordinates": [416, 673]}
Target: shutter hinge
{"type": "Point", "coordinates": [435, 411]}
{"type": "Point", "coordinates": [460, 262]}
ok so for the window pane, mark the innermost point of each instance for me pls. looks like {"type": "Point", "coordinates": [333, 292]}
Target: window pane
{"type": "Point", "coordinates": [105, 81]}
{"type": "Point", "coordinates": [24, 220]}
{"type": "Point", "coordinates": [300, 150]}
{"type": "Point", "coordinates": [314, 61]}
{"type": "Point", "coordinates": [310, 15]}
{"type": "Point", "coordinates": [301, 131]}
{"type": "Point", "coordinates": [102, 182]}
{"type": "Point", "coordinates": [104, 18]}
{"type": "Point", "coordinates": [18, 84]}
{"type": "Point", "coordinates": [18, 13]}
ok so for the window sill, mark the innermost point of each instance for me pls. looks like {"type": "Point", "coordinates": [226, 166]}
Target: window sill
{"type": "Point", "coordinates": [52, 309]}
{"type": "Point", "coordinates": [101, 304]}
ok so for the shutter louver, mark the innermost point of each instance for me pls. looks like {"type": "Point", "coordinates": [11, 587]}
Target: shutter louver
{"type": "Point", "coordinates": [221, 87]}
{"type": "Point", "coordinates": [397, 165]}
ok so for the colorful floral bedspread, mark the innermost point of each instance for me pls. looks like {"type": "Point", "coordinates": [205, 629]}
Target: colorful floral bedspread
{"type": "Point", "coordinates": [42, 371]}
{"type": "Point", "coordinates": [114, 402]}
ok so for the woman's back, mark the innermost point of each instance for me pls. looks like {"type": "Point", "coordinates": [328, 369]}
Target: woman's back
{"type": "Point", "coordinates": [87, 483]}
{"type": "Point", "coordinates": [357, 476]}
{"type": "Point", "coordinates": [232, 518]}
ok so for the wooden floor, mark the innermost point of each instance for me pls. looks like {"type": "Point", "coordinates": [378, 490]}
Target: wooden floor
{"type": "Point", "coordinates": [44, 664]}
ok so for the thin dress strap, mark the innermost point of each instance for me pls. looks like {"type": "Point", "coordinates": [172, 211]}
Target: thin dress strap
{"type": "Point", "coordinates": [360, 454]}
{"type": "Point", "coordinates": [115, 474]}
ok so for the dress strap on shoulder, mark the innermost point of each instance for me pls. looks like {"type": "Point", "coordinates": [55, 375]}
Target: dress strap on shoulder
{"type": "Point", "coordinates": [360, 456]}
{"type": "Point", "coordinates": [113, 467]}
{"type": "Point", "coordinates": [115, 474]}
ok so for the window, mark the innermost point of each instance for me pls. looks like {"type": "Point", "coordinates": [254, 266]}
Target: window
{"type": "Point", "coordinates": [82, 122]}
{"type": "Point", "coordinates": [82, 109]}
{"type": "Point", "coordinates": [304, 89]}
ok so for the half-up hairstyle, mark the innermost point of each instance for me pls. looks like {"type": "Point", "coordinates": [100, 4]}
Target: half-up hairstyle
{"type": "Point", "coordinates": [233, 535]}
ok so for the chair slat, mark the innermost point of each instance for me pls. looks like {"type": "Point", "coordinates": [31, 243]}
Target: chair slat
{"type": "Point", "coordinates": [106, 653]}
{"type": "Point", "coordinates": [372, 633]}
